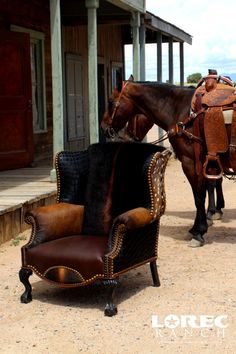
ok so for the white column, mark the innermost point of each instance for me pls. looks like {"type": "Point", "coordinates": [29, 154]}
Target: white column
{"type": "Point", "coordinates": [181, 62]}
{"type": "Point", "coordinates": [57, 86]}
{"type": "Point", "coordinates": [159, 56]}
{"type": "Point", "coordinates": [159, 72]}
{"type": "Point", "coordinates": [142, 51]}
{"type": "Point", "coordinates": [92, 6]}
{"type": "Point", "coordinates": [136, 50]}
{"type": "Point", "coordinates": [171, 61]}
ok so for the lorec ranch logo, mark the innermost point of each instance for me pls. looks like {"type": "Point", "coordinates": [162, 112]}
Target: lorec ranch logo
{"type": "Point", "coordinates": [189, 327]}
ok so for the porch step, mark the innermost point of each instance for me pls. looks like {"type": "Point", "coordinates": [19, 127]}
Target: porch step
{"type": "Point", "coordinates": [20, 191]}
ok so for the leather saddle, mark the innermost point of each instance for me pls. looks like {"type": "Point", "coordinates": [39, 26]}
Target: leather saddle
{"type": "Point", "coordinates": [217, 101]}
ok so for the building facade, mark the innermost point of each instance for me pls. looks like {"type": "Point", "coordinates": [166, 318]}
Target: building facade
{"type": "Point", "coordinates": [60, 60]}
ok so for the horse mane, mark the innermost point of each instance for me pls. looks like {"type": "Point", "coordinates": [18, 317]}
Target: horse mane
{"type": "Point", "coordinates": [164, 85]}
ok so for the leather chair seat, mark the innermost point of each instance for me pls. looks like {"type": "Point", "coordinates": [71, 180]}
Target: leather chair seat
{"type": "Point", "coordinates": [69, 259]}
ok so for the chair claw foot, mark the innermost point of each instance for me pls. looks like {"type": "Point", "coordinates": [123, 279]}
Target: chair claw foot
{"type": "Point", "coordinates": [110, 310]}
{"type": "Point", "coordinates": [25, 298]}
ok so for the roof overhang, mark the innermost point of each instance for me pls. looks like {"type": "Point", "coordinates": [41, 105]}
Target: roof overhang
{"type": "Point", "coordinates": [130, 5]}
{"type": "Point", "coordinates": [119, 12]}
{"type": "Point", "coordinates": [155, 23]}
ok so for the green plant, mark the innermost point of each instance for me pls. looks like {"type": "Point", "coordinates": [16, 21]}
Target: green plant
{"type": "Point", "coordinates": [194, 78]}
{"type": "Point", "coordinates": [16, 240]}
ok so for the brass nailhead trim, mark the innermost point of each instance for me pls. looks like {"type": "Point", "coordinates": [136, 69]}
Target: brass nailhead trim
{"type": "Point", "coordinates": [58, 177]}
{"type": "Point", "coordinates": [85, 282]}
{"type": "Point", "coordinates": [116, 245]}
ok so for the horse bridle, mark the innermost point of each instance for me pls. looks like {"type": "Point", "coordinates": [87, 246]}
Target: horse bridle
{"type": "Point", "coordinates": [177, 129]}
{"type": "Point", "coordinates": [110, 130]}
{"type": "Point", "coordinates": [117, 103]}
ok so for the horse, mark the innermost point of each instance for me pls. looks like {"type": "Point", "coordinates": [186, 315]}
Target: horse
{"type": "Point", "coordinates": [169, 107]}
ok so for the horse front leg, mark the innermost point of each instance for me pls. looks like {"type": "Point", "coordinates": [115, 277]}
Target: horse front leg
{"type": "Point", "coordinates": [220, 202]}
{"type": "Point", "coordinates": [198, 185]}
{"type": "Point", "coordinates": [200, 225]}
{"type": "Point", "coordinates": [211, 209]}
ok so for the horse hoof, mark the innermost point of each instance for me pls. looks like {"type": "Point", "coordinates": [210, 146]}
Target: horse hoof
{"type": "Point", "coordinates": [195, 243]}
{"type": "Point", "coordinates": [210, 222]}
{"type": "Point", "coordinates": [209, 215]}
{"type": "Point", "coordinates": [217, 216]}
{"type": "Point", "coordinates": [188, 237]}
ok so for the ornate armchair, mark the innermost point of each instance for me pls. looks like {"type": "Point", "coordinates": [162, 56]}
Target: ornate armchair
{"type": "Point", "coordinates": [110, 198]}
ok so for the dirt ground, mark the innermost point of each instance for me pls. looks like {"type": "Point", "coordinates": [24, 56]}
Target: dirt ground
{"type": "Point", "coordinates": [195, 282]}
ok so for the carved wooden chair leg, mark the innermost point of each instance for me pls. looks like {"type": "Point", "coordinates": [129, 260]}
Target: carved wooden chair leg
{"type": "Point", "coordinates": [110, 308]}
{"type": "Point", "coordinates": [24, 275]}
{"type": "Point", "coordinates": [155, 276]}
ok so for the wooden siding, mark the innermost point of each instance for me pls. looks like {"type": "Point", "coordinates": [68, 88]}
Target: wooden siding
{"type": "Point", "coordinates": [34, 15]}
{"type": "Point", "coordinates": [110, 50]}
{"type": "Point", "coordinates": [110, 43]}
{"type": "Point", "coordinates": [109, 40]}
{"type": "Point", "coordinates": [75, 42]}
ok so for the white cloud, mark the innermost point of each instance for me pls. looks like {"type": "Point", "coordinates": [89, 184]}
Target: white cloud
{"type": "Point", "coordinates": [212, 25]}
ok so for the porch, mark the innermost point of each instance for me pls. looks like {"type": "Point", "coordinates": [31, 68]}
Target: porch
{"type": "Point", "coordinates": [21, 190]}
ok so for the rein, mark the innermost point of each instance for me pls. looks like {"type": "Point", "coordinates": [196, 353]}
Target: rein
{"type": "Point", "coordinates": [117, 103]}
{"type": "Point", "coordinates": [161, 139]}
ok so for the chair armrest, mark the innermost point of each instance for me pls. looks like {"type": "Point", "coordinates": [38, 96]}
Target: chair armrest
{"type": "Point", "coordinates": [135, 218]}
{"type": "Point", "coordinates": [55, 221]}
{"type": "Point", "coordinates": [126, 223]}
{"type": "Point", "coordinates": [133, 240]}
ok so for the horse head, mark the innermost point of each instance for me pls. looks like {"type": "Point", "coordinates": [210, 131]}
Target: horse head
{"type": "Point", "coordinates": [123, 118]}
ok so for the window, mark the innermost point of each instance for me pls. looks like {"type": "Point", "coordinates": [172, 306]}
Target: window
{"type": "Point", "coordinates": [37, 76]}
{"type": "Point", "coordinates": [117, 76]}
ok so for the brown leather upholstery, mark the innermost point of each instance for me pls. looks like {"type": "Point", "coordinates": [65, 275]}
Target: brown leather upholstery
{"type": "Point", "coordinates": [110, 199]}
{"type": "Point", "coordinates": [78, 254]}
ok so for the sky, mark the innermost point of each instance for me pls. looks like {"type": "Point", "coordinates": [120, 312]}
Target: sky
{"type": "Point", "coordinates": [212, 25]}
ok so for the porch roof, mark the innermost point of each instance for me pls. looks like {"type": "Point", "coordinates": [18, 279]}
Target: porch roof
{"type": "Point", "coordinates": [119, 13]}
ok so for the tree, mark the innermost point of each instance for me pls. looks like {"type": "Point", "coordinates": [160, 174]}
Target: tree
{"type": "Point", "coordinates": [194, 78]}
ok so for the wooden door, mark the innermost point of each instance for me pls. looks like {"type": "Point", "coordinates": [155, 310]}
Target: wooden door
{"type": "Point", "coordinates": [16, 131]}
{"type": "Point", "coordinates": [75, 128]}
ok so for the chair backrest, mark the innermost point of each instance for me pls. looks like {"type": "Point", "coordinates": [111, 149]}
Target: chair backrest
{"type": "Point", "coordinates": [117, 182]}
{"type": "Point", "coordinates": [131, 189]}
{"type": "Point", "coordinates": [72, 171]}
{"type": "Point", "coordinates": [108, 178]}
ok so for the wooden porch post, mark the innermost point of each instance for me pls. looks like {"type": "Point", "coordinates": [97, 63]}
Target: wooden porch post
{"type": "Point", "coordinates": [57, 87]}
{"type": "Point", "coordinates": [92, 6]}
{"type": "Point", "coordinates": [181, 61]}
{"type": "Point", "coordinates": [171, 61]}
{"type": "Point", "coordinates": [136, 50]}
{"type": "Point", "coordinates": [142, 51]}
{"type": "Point", "coordinates": [159, 71]}
{"type": "Point", "coordinates": [159, 56]}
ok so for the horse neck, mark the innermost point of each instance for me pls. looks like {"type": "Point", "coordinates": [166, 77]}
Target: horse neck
{"type": "Point", "coordinates": [164, 104]}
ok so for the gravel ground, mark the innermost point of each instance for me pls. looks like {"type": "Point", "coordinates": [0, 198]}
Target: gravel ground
{"type": "Point", "coordinates": [195, 282]}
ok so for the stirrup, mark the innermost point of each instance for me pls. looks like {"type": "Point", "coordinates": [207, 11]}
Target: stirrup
{"type": "Point", "coordinates": [214, 158]}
